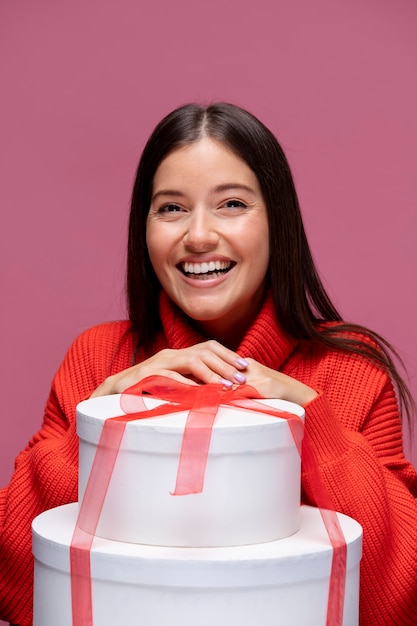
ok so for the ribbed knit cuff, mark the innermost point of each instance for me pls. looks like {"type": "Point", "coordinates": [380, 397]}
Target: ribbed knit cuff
{"type": "Point", "coordinates": [326, 433]}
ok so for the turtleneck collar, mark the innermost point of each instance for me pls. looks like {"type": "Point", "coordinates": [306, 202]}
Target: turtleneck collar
{"type": "Point", "coordinates": [265, 341]}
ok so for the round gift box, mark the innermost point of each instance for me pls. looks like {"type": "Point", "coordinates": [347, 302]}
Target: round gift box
{"type": "Point", "coordinates": [251, 491]}
{"type": "Point", "coordinates": [282, 583]}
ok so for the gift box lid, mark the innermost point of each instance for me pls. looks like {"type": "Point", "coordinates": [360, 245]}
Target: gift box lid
{"type": "Point", "coordinates": [234, 426]}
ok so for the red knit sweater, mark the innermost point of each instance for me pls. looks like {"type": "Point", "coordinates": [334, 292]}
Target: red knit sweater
{"type": "Point", "coordinates": [353, 425]}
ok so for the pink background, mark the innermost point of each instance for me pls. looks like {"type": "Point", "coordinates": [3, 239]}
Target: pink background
{"type": "Point", "coordinates": [84, 82]}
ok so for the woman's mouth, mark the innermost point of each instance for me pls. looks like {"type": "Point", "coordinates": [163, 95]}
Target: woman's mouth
{"type": "Point", "coordinates": [205, 271]}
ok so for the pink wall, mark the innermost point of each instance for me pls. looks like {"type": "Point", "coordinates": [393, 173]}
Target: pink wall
{"type": "Point", "coordinates": [84, 82]}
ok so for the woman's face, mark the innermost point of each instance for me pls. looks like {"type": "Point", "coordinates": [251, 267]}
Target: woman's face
{"type": "Point", "coordinates": [207, 236]}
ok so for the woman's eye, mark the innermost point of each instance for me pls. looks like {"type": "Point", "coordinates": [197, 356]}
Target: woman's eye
{"type": "Point", "coordinates": [169, 208]}
{"type": "Point", "coordinates": [233, 204]}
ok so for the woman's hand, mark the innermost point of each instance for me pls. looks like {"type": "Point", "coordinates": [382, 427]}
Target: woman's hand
{"type": "Point", "coordinates": [272, 384]}
{"type": "Point", "coordinates": [207, 362]}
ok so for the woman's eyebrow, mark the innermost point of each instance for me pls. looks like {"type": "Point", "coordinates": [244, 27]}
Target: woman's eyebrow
{"type": "Point", "coordinates": [168, 192]}
{"type": "Point", "coordinates": [231, 186]}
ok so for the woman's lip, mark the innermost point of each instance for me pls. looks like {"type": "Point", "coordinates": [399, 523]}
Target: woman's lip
{"type": "Point", "coordinates": [204, 259]}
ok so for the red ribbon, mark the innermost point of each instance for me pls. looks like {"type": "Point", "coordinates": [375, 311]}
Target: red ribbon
{"type": "Point", "coordinates": [202, 402]}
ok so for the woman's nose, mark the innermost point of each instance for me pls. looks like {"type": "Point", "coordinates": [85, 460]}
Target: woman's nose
{"type": "Point", "coordinates": [200, 234]}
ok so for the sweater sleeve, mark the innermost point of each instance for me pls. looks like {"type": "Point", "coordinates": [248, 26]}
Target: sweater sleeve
{"type": "Point", "coordinates": [46, 472]}
{"type": "Point", "coordinates": [369, 479]}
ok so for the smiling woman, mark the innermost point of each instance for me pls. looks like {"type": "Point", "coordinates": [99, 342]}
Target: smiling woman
{"type": "Point", "coordinates": [222, 288]}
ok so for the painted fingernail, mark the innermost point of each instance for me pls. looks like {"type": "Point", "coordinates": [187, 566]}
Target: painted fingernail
{"type": "Point", "coordinates": [240, 378]}
{"type": "Point", "coordinates": [225, 383]}
{"type": "Point", "coordinates": [242, 362]}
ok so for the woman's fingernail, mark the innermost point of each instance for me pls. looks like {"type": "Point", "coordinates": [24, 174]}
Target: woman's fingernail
{"type": "Point", "coordinates": [240, 378]}
{"type": "Point", "coordinates": [225, 383]}
{"type": "Point", "coordinates": [242, 362]}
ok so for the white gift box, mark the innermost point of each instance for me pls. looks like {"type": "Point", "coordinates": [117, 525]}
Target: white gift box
{"type": "Point", "coordinates": [281, 583]}
{"type": "Point", "coordinates": [251, 488]}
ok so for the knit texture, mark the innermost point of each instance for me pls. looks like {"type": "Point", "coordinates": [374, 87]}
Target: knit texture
{"type": "Point", "coordinates": [353, 425]}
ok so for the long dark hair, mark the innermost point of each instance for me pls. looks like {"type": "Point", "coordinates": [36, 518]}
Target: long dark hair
{"type": "Point", "coordinates": [301, 302]}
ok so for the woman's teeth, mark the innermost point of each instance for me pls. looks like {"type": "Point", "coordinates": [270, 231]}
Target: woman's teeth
{"type": "Point", "coordinates": [206, 268]}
